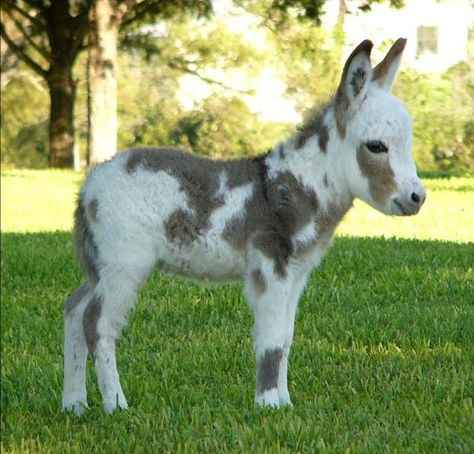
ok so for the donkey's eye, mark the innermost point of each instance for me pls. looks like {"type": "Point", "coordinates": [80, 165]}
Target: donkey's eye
{"type": "Point", "coordinates": [376, 146]}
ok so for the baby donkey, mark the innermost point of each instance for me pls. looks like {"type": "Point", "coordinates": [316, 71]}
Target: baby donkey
{"type": "Point", "coordinates": [267, 221]}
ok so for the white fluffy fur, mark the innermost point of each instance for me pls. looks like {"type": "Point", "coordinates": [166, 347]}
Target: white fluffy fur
{"type": "Point", "coordinates": [131, 237]}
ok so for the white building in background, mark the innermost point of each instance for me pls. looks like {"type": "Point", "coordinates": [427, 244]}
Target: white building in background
{"type": "Point", "coordinates": [440, 33]}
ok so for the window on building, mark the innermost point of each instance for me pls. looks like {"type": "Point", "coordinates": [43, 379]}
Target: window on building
{"type": "Point", "coordinates": [427, 40]}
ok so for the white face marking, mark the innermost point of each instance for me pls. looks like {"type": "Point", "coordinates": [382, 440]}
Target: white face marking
{"type": "Point", "coordinates": [384, 180]}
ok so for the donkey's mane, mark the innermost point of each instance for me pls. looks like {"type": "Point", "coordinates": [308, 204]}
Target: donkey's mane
{"type": "Point", "coordinates": [313, 124]}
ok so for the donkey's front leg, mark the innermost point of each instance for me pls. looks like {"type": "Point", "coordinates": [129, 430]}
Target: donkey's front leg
{"type": "Point", "coordinates": [291, 306]}
{"type": "Point", "coordinates": [269, 295]}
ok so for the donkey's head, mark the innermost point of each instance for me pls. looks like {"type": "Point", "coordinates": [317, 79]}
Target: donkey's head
{"type": "Point", "coordinates": [375, 130]}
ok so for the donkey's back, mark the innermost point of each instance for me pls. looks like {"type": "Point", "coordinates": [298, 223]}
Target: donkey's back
{"type": "Point", "coordinates": [166, 207]}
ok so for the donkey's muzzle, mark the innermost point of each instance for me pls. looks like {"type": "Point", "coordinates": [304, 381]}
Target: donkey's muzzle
{"type": "Point", "coordinates": [399, 208]}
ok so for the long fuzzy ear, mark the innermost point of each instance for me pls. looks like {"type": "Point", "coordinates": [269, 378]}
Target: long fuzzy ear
{"type": "Point", "coordinates": [386, 71]}
{"type": "Point", "coordinates": [355, 81]}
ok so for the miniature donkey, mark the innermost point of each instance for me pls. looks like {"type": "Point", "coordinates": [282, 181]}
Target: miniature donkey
{"type": "Point", "coordinates": [266, 221]}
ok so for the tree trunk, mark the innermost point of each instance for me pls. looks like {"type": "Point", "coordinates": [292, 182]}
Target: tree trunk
{"type": "Point", "coordinates": [104, 19]}
{"type": "Point", "coordinates": [61, 125]}
{"type": "Point", "coordinates": [64, 36]}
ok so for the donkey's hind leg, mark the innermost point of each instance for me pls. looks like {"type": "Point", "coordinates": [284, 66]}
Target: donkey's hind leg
{"type": "Point", "coordinates": [75, 351]}
{"type": "Point", "coordinates": [103, 320]}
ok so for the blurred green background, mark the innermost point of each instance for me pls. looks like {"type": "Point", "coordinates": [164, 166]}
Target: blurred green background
{"type": "Point", "coordinates": [189, 74]}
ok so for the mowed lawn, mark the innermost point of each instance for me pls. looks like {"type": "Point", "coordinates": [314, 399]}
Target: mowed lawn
{"type": "Point", "coordinates": [383, 358]}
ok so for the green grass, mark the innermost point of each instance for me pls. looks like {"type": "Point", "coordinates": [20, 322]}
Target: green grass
{"type": "Point", "coordinates": [38, 200]}
{"type": "Point", "coordinates": [382, 360]}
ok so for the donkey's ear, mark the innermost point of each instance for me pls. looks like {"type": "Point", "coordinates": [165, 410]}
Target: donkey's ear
{"type": "Point", "coordinates": [355, 81]}
{"type": "Point", "coordinates": [385, 72]}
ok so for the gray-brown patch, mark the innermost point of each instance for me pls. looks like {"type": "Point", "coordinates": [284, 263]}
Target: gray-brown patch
{"type": "Point", "coordinates": [329, 218]}
{"type": "Point", "coordinates": [86, 249]}
{"type": "Point", "coordinates": [267, 370]}
{"type": "Point", "coordinates": [281, 151]}
{"type": "Point", "coordinates": [273, 214]}
{"type": "Point", "coordinates": [199, 178]}
{"type": "Point", "coordinates": [314, 126]}
{"type": "Point", "coordinates": [89, 322]}
{"type": "Point", "coordinates": [293, 206]}
{"type": "Point", "coordinates": [358, 78]}
{"type": "Point", "coordinates": [325, 180]}
{"type": "Point", "coordinates": [340, 110]}
{"type": "Point", "coordinates": [376, 168]}
{"type": "Point", "coordinates": [323, 138]}
{"type": "Point", "coordinates": [181, 227]}
{"type": "Point", "coordinates": [75, 298]}
{"type": "Point", "coordinates": [93, 207]}
{"type": "Point", "coordinates": [259, 282]}
{"type": "Point", "coordinates": [277, 210]}
{"type": "Point", "coordinates": [276, 247]}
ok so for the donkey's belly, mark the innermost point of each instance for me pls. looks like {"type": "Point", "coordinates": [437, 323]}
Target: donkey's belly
{"type": "Point", "coordinates": [210, 259]}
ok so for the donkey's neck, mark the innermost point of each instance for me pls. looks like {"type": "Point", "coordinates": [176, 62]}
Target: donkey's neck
{"type": "Point", "coordinates": [311, 155]}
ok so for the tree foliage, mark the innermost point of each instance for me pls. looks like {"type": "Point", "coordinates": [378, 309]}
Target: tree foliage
{"type": "Point", "coordinates": [152, 111]}
{"type": "Point", "coordinates": [24, 132]}
{"type": "Point", "coordinates": [276, 14]}
{"type": "Point", "coordinates": [308, 61]}
{"type": "Point", "coordinates": [47, 37]}
{"type": "Point", "coordinates": [443, 116]}
{"type": "Point", "coordinates": [220, 125]}
{"type": "Point", "coordinates": [225, 128]}
{"type": "Point", "coordinates": [106, 19]}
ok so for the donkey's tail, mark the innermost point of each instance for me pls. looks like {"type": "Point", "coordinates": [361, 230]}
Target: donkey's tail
{"type": "Point", "coordinates": [86, 248]}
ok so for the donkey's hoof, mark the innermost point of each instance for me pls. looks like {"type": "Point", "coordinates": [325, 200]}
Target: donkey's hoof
{"type": "Point", "coordinates": [286, 402]}
{"type": "Point", "coordinates": [268, 398]}
{"type": "Point", "coordinates": [111, 406]}
{"type": "Point", "coordinates": [77, 407]}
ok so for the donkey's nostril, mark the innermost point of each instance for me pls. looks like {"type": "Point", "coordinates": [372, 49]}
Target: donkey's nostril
{"type": "Point", "coordinates": [415, 197]}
